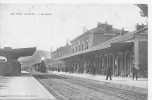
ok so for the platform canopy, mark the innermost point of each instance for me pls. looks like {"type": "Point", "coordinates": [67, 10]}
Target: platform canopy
{"type": "Point", "coordinates": [16, 53]}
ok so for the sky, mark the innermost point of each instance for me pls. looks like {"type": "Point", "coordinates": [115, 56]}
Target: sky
{"type": "Point", "coordinates": [48, 26]}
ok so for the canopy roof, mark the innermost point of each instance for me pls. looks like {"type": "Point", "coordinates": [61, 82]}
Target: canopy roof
{"type": "Point", "coordinates": [16, 53]}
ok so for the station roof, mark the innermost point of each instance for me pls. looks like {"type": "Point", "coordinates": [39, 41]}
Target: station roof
{"type": "Point", "coordinates": [125, 39]}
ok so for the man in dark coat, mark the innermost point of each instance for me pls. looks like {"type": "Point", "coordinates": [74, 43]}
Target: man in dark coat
{"type": "Point", "coordinates": [135, 73]}
{"type": "Point", "coordinates": [109, 73]}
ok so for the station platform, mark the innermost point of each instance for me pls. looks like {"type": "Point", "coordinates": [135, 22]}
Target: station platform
{"type": "Point", "coordinates": [24, 87]}
{"type": "Point", "coordinates": [121, 82]}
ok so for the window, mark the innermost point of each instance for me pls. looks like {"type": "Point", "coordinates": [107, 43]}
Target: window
{"type": "Point", "coordinates": [82, 47]}
{"type": "Point", "coordinates": [79, 48]}
{"type": "Point", "coordinates": [73, 50]}
{"type": "Point", "coordinates": [86, 45]}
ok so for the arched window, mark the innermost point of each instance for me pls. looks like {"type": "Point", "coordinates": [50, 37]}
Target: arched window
{"type": "Point", "coordinates": [82, 47]}
{"type": "Point", "coordinates": [86, 45]}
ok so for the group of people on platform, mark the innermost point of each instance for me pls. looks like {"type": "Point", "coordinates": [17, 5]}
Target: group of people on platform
{"type": "Point", "coordinates": [134, 73]}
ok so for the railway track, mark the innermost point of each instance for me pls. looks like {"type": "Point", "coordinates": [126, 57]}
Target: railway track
{"type": "Point", "coordinates": [123, 94]}
{"type": "Point", "coordinates": [102, 88]}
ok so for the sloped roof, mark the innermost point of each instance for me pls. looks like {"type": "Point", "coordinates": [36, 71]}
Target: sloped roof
{"type": "Point", "coordinates": [99, 30]}
{"type": "Point", "coordinates": [106, 44]}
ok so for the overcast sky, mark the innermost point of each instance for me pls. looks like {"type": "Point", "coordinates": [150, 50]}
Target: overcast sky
{"type": "Point", "coordinates": [51, 25]}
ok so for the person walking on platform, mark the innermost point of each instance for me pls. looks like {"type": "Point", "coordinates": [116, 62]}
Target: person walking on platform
{"type": "Point", "coordinates": [135, 73]}
{"type": "Point", "coordinates": [109, 73]}
{"type": "Point", "coordinates": [135, 69]}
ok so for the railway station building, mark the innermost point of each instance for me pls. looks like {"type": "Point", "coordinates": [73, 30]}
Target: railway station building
{"type": "Point", "coordinates": [102, 47]}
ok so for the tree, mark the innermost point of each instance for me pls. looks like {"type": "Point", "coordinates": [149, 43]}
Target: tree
{"type": "Point", "coordinates": [144, 9]}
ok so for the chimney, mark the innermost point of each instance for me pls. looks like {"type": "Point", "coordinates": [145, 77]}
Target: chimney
{"type": "Point", "coordinates": [85, 29]}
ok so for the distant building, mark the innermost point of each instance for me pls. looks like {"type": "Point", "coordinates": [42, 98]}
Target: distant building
{"type": "Point", "coordinates": [62, 51]}
{"type": "Point", "coordinates": [35, 59]}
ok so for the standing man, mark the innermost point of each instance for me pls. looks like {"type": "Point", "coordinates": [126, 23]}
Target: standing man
{"type": "Point", "coordinates": [135, 69]}
{"type": "Point", "coordinates": [135, 72]}
{"type": "Point", "coordinates": [109, 73]}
